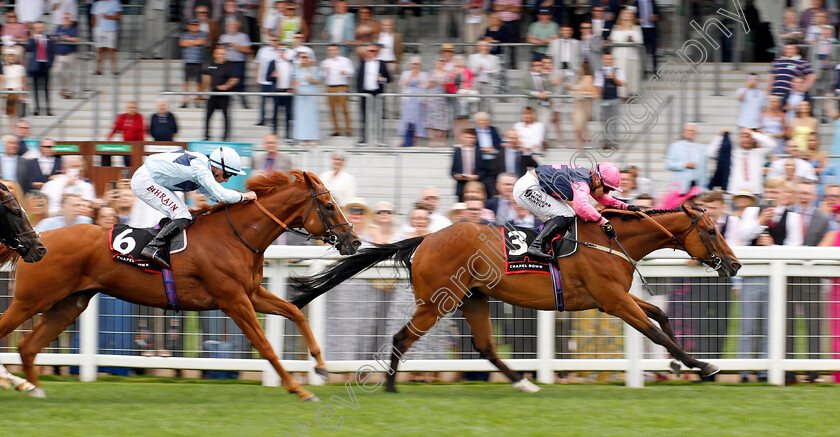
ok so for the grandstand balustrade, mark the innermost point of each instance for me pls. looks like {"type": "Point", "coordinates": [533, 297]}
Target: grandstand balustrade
{"type": "Point", "coordinates": [542, 342]}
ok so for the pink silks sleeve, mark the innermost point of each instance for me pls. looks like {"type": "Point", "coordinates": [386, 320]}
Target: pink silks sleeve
{"type": "Point", "coordinates": [608, 200]}
{"type": "Point", "coordinates": [580, 203]}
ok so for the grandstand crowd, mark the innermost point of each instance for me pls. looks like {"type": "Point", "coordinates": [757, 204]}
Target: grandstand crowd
{"type": "Point", "coordinates": [768, 180]}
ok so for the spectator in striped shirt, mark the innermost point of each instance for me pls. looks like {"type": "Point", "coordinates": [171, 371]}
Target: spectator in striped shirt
{"type": "Point", "coordinates": [787, 67]}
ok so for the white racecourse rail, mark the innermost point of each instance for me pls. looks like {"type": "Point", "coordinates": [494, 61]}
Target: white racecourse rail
{"type": "Point", "coordinates": [775, 263]}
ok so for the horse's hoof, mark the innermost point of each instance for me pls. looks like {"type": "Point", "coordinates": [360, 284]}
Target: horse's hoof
{"type": "Point", "coordinates": [709, 369]}
{"type": "Point", "coordinates": [674, 367]}
{"type": "Point", "coordinates": [25, 386]}
{"type": "Point", "coordinates": [391, 389]}
{"type": "Point", "coordinates": [322, 372]}
{"type": "Point", "coordinates": [525, 385]}
{"type": "Point", "coordinates": [312, 398]}
{"type": "Point", "coordinates": [38, 393]}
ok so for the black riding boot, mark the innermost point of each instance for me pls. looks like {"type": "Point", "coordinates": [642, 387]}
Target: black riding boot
{"type": "Point", "coordinates": [554, 226]}
{"type": "Point", "coordinates": [153, 249]}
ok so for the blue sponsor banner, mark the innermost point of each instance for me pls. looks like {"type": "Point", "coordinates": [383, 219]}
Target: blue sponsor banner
{"type": "Point", "coordinates": [244, 151]}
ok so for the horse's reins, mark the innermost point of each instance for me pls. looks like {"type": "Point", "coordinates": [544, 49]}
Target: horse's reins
{"type": "Point", "coordinates": [330, 238]}
{"type": "Point", "coordinates": [713, 261]}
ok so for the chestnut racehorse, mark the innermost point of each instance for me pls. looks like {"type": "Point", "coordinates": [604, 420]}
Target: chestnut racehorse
{"type": "Point", "coordinates": [460, 266]}
{"type": "Point", "coordinates": [220, 269]}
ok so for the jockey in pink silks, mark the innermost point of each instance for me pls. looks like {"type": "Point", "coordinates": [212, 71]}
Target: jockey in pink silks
{"type": "Point", "coordinates": [547, 191]}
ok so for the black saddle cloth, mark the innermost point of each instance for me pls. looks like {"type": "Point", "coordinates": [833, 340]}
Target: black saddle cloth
{"type": "Point", "coordinates": [518, 239]}
{"type": "Point", "coordinates": [126, 243]}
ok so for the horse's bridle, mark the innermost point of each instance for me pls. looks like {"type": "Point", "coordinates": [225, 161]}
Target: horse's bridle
{"type": "Point", "coordinates": [330, 237]}
{"type": "Point", "coordinates": [14, 242]}
{"type": "Point", "coordinates": [713, 261]}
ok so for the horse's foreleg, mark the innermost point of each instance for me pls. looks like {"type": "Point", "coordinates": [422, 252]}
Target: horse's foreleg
{"type": "Point", "coordinates": [52, 323]}
{"type": "Point", "coordinates": [239, 308]}
{"type": "Point", "coordinates": [628, 310]}
{"type": "Point", "coordinates": [266, 302]}
{"type": "Point", "coordinates": [423, 320]}
{"type": "Point", "coordinates": [477, 313]}
{"type": "Point", "coordinates": [14, 316]}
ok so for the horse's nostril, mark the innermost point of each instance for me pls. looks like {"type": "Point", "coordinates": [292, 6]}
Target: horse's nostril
{"type": "Point", "coordinates": [736, 266]}
{"type": "Point", "coordinates": [357, 243]}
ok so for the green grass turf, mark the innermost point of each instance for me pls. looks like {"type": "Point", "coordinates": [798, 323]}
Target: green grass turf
{"type": "Point", "coordinates": [172, 407]}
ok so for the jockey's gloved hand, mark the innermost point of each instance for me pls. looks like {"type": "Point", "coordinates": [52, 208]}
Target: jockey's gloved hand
{"type": "Point", "coordinates": [634, 208]}
{"type": "Point", "coordinates": [609, 230]}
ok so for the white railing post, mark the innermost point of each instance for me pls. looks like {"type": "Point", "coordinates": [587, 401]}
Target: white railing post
{"type": "Point", "coordinates": [776, 322]}
{"type": "Point", "coordinates": [89, 341]}
{"type": "Point", "coordinates": [545, 346]}
{"type": "Point", "coordinates": [277, 272]}
{"type": "Point", "coordinates": [633, 375]}
{"type": "Point", "coordinates": [317, 320]}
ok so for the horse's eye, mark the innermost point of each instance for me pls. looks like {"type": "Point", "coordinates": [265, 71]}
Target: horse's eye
{"type": "Point", "coordinates": [330, 207]}
{"type": "Point", "coordinates": [17, 213]}
{"type": "Point", "coordinates": [712, 232]}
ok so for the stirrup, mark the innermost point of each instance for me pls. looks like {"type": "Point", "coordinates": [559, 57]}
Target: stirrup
{"type": "Point", "coordinates": [538, 252]}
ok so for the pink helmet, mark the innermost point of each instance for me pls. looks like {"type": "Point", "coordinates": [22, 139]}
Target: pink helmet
{"type": "Point", "coordinates": [609, 175]}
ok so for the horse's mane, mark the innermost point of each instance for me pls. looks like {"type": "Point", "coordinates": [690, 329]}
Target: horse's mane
{"type": "Point", "coordinates": [7, 255]}
{"type": "Point", "coordinates": [630, 216]}
{"type": "Point", "coordinates": [265, 183]}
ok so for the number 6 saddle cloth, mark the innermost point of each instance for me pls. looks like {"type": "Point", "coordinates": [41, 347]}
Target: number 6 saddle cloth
{"type": "Point", "coordinates": [126, 243]}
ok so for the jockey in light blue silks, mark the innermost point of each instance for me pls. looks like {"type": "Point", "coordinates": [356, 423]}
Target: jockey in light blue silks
{"type": "Point", "coordinates": [163, 173]}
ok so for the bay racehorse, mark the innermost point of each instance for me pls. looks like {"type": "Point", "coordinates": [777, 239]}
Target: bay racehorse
{"type": "Point", "coordinates": [220, 269]}
{"type": "Point", "coordinates": [17, 234]}
{"type": "Point", "coordinates": [459, 266]}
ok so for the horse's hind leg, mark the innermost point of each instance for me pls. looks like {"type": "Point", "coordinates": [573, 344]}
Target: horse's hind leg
{"type": "Point", "coordinates": [656, 313]}
{"type": "Point", "coordinates": [476, 311]}
{"type": "Point", "coordinates": [266, 302]}
{"type": "Point", "coordinates": [626, 308]}
{"type": "Point", "coordinates": [52, 323]}
{"type": "Point", "coordinates": [423, 320]}
{"type": "Point", "coordinates": [237, 306]}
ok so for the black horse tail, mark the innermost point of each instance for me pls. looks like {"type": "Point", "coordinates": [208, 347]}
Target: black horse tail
{"type": "Point", "coordinates": [310, 287]}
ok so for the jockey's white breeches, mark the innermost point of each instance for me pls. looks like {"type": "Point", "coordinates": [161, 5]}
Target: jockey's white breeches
{"type": "Point", "coordinates": [529, 195]}
{"type": "Point", "coordinates": [157, 196]}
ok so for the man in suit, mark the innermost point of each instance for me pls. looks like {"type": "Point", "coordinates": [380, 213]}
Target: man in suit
{"type": "Point", "coordinates": [371, 77]}
{"type": "Point", "coordinates": [12, 166]}
{"type": "Point", "coordinates": [565, 51]}
{"type": "Point", "coordinates": [489, 143]}
{"type": "Point", "coordinates": [280, 73]}
{"type": "Point", "coordinates": [466, 162]}
{"type": "Point", "coordinates": [486, 68]}
{"type": "Point", "coordinates": [648, 17]}
{"type": "Point", "coordinates": [510, 158]}
{"type": "Point", "coordinates": [40, 62]}
{"type": "Point", "coordinates": [772, 223]}
{"type": "Point", "coordinates": [686, 160]}
{"type": "Point", "coordinates": [341, 27]}
{"type": "Point", "coordinates": [591, 45]}
{"type": "Point", "coordinates": [502, 204]}
{"type": "Point", "coordinates": [804, 292]}
{"type": "Point", "coordinates": [43, 163]}
{"type": "Point", "coordinates": [538, 86]}
{"type": "Point", "coordinates": [269, 159]}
